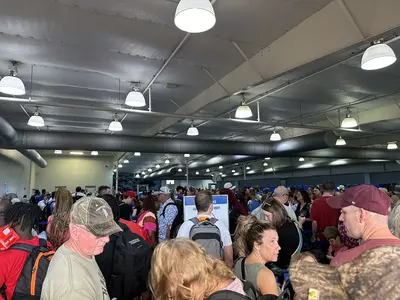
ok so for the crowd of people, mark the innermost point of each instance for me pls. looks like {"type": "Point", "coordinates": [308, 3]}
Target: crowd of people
{"type": "Point", "coordinates": [281, 243]}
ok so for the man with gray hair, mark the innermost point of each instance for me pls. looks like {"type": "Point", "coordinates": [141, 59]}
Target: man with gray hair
{"type": "Point", "coordinates": [281, 194]}
{"type": "Point", "coordinates": [166, 214]}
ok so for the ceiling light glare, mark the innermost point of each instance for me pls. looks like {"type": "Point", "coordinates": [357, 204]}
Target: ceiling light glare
{"type": "Point", "coordinates": [208, 170]}
{"type": "Point", "coordinates": [267, 158]}
{"type": "Point", "coordinates": [76, 153]}
{"type": "Point", "coordinates": [220, 173]}
{"type": "Point", "coordinates": [197, 173]}
{"type": "Point", "coordinates": [57, 151]}
{"type": "Point", "coordinates": [158, 166]}
{"type": "Point", "coordinates": [243, 112]}
{"type": "Point", "coordinates": [120, 166]}
{"type": "Point", "coordinates": [36, 120]}
{"type": "Point", "coordinates": [167, 161]}
{"type": "Point", "coordinates": [349, 122]}
{"type": "Point", "coordinates": [377, 57]}
{"type": "Point", "coordinates": [115, 125]}
{"type": "Point", "coordinates": [340, 141]}
{"type": "Point", "coordinates": [192, 131]}
{"type": "Point", "coordinates": [236, 174]}
{"type": "Point", "coordinates": [137, 154]}
{"type": "Point", "coordinates": [150, 170]}
{"type": "Point", "coordinates": [94, 153]}
{"type": "Point", "coordinates": [338, 162]}
{"type": "Point", "coordinates": [143, 173]}
{"type": "Point", "coordinates": [223, 175]}
{"type": "Point", "coordinates": [12, 85]}
{"type": "Point", "coordinates": [114, 170]}
{"type": "Point", "coordinates": [392, 146]}
{"type": "Point", "coordinates": [265, 164]}
{"type": "Point", "coordinates": [137, 176]}
{"type": "Point", "coordinates": [135, 99]}
{"type": "Point", "coordinates": [233, 171]}
{"type": "Point", "coordinates": [247, 168]}
{"type": "Point", "coordinates": [301, 159]}
{"type": "Point", "coordinates": [275, 137]}
{"type": "Point", "coordinates": [195, 16]}
{"type": "Point", "coordinates": [186, 155]}
{"type": "Point", "coordinates": [179, 170]}
{"type": "Point", "coordinates": [220, 167]}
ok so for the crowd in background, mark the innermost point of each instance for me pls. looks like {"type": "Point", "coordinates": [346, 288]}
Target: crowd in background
{"type": "Point", "coordinates": [274, 234]}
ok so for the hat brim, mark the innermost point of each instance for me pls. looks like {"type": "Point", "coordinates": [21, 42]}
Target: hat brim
{"type": "Point", "coordinates": [337, 202]}
{"type": "Point", "coordinates": [109, 230]}
{"type": "Point", "coordinates": [232, 187]}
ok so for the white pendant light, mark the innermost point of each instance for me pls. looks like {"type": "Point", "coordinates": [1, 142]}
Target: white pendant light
{"type": "Point", "coordinates": [265, 164]}
{"type": "Point", "coordinates": [233, 171]}
{"type": "Point", "coordinates": [12, 85]}
{"type": "Point", "coordinates": [115, 125]}
{"type": "Point", "coordinates": [220, 167]}
{"type": "Point", "coordinates": [195, 16]}
{"type": "Point", "coordinates": [186, 155]}
{"type": "Point", "coordinates": [158, 166]}
{"type": "Point", "coordinates": [392, 146]}
{"type": "Point", "coordinates": [94, 153]}
{"type": "Point", "coordinates": [349, 121]}
{"type": "Point", "coordinates": [137, 154]}
{"type": "Point", "coordinates": [137, 176]}
{"type": "Point", "coordinates": [167, 161]}
{"type": "Point", "coordinates": [267, 158]}
{"type": "Point", "coordinates": [208, 170]}
{"type": "Point", "coordinates": [243, 112]}
{"type": "Point", "coordinates": [197, 173]}
{"type": "Point", "coordinates": [192, 131]}
{"type": "Point", "coordinates": [301, 159]}
{"type": "Point", "coordinates": [120, 166]}
{"type": "Point", "coordinates": [114, 170]}
{"type": "Point", "coordinates": [247, 168]}
{"type": "Point", "coordinates": [220, 173]}
{"type": "Point", "coordinates": [377, 57]}
{"type": "Point", "coordinates": [275, 137]}
{"type": "Point", "coordinates": [150, 170]}
{"type": "Point", "coordinates": [76, 153]}
{"type": "Point", "coordinates": [126, 161]}
{"type": "Point", "coordinates": [340, 141]}
{"type": "Point", "coordinates": [57, 151]}
{"type": "Point", "coordinates": [179, 170]}
{"type": "Point", "coordinates": [36, 120]}
{"type": "Point", "coordinates": [143, 173]}
{"type": "Point", "coordinates": [135, 98]}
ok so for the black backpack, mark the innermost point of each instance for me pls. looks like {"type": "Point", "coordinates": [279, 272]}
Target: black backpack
{"type": "Point", "coordinates": [131, 263]}
{"type": "Point", "coordinates": [30, 281]}
{"type": "Point", "coordinates": [178, 221]}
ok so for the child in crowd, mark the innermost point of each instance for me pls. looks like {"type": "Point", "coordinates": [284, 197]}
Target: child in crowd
{"type": "Point", "coordinates": [332, 234]}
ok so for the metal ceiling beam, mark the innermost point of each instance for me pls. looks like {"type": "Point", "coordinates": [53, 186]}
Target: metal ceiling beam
{"type": "Point", "coordinates": [104, 142]}
{"type": "Point", "coordinates": [347, 152]}
{"type": "Point", "coordinates": [10, 137]}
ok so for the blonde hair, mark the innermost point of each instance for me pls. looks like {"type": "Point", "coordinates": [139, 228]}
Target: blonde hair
{"type": "Point", "coordinates": [60, 224]}
{"type": "Point", "coordinates": [182, 270]}
{"type": "Point", "coordinates": [395, 216]}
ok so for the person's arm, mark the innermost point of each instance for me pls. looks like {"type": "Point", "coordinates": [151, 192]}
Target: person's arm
{"type": "Point", "coordinates": [313, 217]}
{"type": "Point", "coordinates": [153, 239]}
{"type": "Point", "coordinates": [266, 282]}
{"type": "Point", "coordinates": [315, 230]}
{"type": "Point", "coordinates": [228, 256]}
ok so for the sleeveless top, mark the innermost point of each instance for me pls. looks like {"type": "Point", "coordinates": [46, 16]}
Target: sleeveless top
{"type": "Point", "coordinates": [251, 272]}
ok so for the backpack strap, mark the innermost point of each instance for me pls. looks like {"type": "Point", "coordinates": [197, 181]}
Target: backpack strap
{"type": "Point", "coordinates": [213, 221]}
{"type": "Point", "coordinates": [3, 291]}
{"type": "Point", "coordinates": [22, 247]}
{"type": "Point", "coordinates": [165, 208]}
{"type": "Point", "coordinates": [243, 268]}
{"type": "Point", "coordinates": [195, 220]}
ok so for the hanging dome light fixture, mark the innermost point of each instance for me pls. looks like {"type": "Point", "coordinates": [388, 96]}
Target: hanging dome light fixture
{"type": "Point", "coordinates": [115, 125]}
{"type": "Point", "coordinates": [135, 98]}
{"type": "Point", "coordinates": [340, 141]}
{"type": "Point", "coordinates": [36, 120]}
{"type": "Point", "coordinates": [275, 137]}
{"type": "Point", "coordinates": [378, 56]}
{"type": "Point", "coordinates": [195, 16]}
{"type": "Point", "coordinates": [349, 121]}
{"type": "Point", "coordinates": [192, 131]}
{"type": "Point", "coordinates": [12, 85]}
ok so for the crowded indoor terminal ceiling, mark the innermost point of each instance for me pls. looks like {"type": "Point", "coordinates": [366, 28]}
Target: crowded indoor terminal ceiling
{"type": "Point", "coordinates": [122, 78]}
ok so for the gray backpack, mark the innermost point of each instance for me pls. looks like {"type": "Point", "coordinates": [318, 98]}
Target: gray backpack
{"type": "Point", "coordinates": [208, 235]}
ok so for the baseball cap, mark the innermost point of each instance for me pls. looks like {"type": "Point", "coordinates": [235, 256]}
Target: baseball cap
{"type": "Point", "coordinates": [163, 191]}
{"type": "Point", "coordinates": [370, 276]}
{"type": "Point", "coordinates": [396, 189]}
{"type": "Point", "coordinates": [96, 215]}
{"type": "Point", "coordinates": [131, 194]}
{"type": "Point", "coordinates": [229, 185]}
{"type": "Point", "coordinates": [363, 196]}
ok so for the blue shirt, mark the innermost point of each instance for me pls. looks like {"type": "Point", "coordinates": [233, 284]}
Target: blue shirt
{"type": "Point", "coordinates": [164, 221]}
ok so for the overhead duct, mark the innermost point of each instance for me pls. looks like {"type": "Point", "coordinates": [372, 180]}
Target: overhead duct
{"type": "Point", "coordinates": [9, 137]}
{"type": "Point", "coordinates": [106, 142]}
{"type": "Point", "coordinates": [346, 152]}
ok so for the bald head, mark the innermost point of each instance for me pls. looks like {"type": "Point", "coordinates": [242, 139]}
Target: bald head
{"type": "Point", "coordinates": [5, 204]}
{"type": "Point", "coordinates": [281, 194]}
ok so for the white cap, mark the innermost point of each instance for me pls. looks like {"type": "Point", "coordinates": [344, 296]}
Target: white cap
{"type": "Point", "coordinates": [163, 191]}
{"type": "Point", "coordinates": [229, 185]}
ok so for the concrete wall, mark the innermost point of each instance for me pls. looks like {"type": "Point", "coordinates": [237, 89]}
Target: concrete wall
{"type": "Point", "coordinates": [74, 171]}
{"type": "Point", "coordinates": [15, 173]}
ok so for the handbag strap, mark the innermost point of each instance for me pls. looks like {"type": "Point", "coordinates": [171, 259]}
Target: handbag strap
{"type": "Point", "coordinates": [243, 269]}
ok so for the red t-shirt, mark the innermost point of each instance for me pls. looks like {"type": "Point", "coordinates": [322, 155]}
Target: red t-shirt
{"type": "Point", "coordinates": [12, 263]}
{"type": "Point", "coordinates": [135, 228]}
{"type": "Point", "coordinates": [324, 215]}
{"type": "Point", "coordinates": [351, 254]}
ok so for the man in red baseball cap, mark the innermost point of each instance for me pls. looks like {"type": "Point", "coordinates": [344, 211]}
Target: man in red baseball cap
{"type": "Point", "coordinates": [365, 211]}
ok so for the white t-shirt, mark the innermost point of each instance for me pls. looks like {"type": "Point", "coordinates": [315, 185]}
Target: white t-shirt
{"type": "Point", "coordinates": [73, 277]}
{"type": "Point", "coordinates": [184, 231]}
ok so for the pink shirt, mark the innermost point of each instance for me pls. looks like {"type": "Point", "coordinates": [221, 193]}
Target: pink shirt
{"type": "Point", "coordinates": [235, 286]}
{"type": "Point", "coordinates": [351, 254]}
